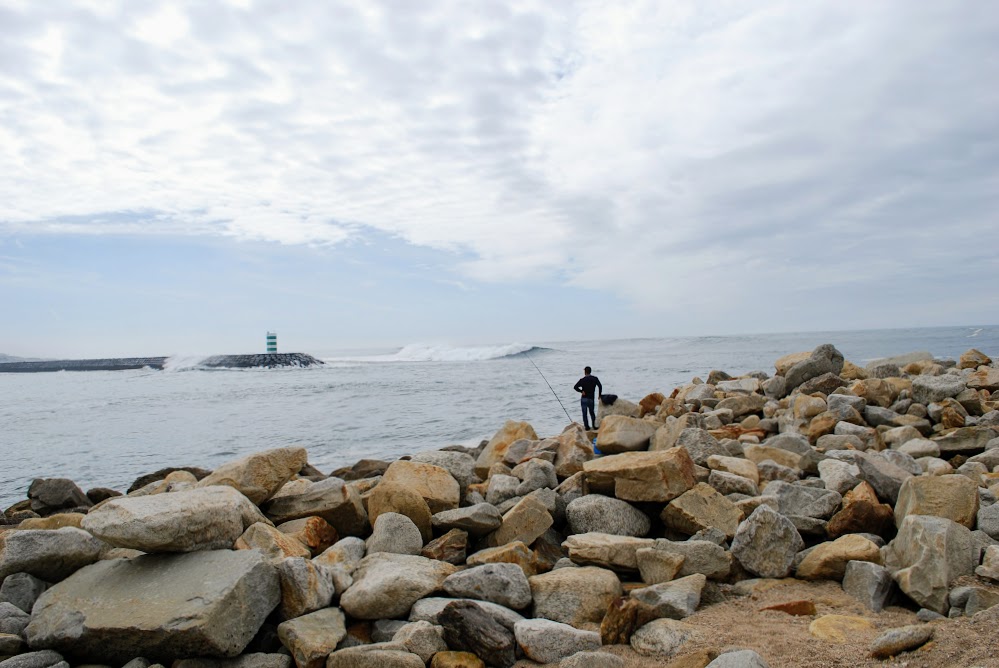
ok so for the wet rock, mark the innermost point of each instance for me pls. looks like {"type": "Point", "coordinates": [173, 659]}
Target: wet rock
{"type": "Point", "coordinates": [313, 637]}
{"type": "Point", "coordinates": [259, 475]}
{"type": "Point", "coordinates": [574, 596]}
{"type": "Point", "coordinates": [48, 555]}
{"type": "Point", "coordinates": [604, 514]}
{"type": "Point", "coordinates": [642, 476]}
{"type": "Point", "coordinates": [50, 495]}
{"type": "Point", "coordinates": [545, 641]}
{"type": "Point", "coordinates": [205, 603]}
{"type": "Point", "coordinates": [504, 584]}
{"type": "Point", "coordinates": [394, 533]}
{"type": "Point", "coordinates": [766, 542]}
{"type": "Point", "coordinates": [386, 585]}
{"type": "Point", "coordinates": [468, 628]}
{"type": "Point", "coordinates": [904, 639]}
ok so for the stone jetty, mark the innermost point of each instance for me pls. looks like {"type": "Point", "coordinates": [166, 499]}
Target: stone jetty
{"type": "Point", "coordinates": [871, 493]}
{"type": "Point", "coordinates": [260, 360]}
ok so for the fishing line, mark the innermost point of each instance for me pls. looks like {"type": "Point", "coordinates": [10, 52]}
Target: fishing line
{"type": "Point", "coordinates": [549, 386]}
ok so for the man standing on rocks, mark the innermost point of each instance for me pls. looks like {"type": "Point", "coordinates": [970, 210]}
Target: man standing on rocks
{"type": "Point", "coordinates": [586, 386]}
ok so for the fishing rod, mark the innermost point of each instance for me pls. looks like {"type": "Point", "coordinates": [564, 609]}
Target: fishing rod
{"type": "Point", "coordinates": [549, 386]}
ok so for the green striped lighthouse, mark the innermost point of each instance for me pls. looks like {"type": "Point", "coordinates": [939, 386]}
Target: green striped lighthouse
{"type": "Point", "coordinates": [272, 342]}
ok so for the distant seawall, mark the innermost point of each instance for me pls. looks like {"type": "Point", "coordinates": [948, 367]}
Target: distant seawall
{"type": "Point", "coordinates": [262, 360]}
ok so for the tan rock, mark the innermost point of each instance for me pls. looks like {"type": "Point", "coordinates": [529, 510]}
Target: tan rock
{"type": "Point", "coordinates": [806, 406]}
{"type": "Point", "coordinates": [898, 385]}
{"type": "Point", "coordinates": [784, 363]}
{"type": "Point", "coordinates": [451, 547]}
{"type": "Point", "coordinates": [735, 465]}
{"type": "Point", "coordinates": [862, 512]}
{"type": "Point", "coordinates": [800, 608]}
{"type": "Point", "coordinates": [984, 379]}
{"type": "Point", "coordinates": [650, 403]}
{"type": "Point", "coordinates": [498, 444]}
{"type": "Point", "coordinates": [642, 476]}
{"type": "Point", "coordinates": [525, 522]}
{"type": "Point", "coordinates": [876, 391]}
{"type": "Point", "coordinates": [53, 522]}
{"type": "Point", "coordinates": [275, 544]}
{"type": "Point", "coordinates": [656, 566]}
{"type": "Point", "coordinates": [973, 358]}
{"type": "Point", "coordinates": [852, 372]}
{"type": "Point", "coordinates": [742, 404]}
{"type": "Point", "coordinates": [952, 496]}
{"type": "Point", "coordinates": [606, 550]}
{"type": "Point", "coordinates": [699, 659]}
{"type": "Point", "coordinates": [828, 560]}
{"type": "Point", "coordinates": [259, 475]}
{"type": "Point", "coordinates": [511, 553]}
{"type": "Point", "coordinates": [619, 433]}
{"type": "Point", "coordinates": [759, 453]}
{"type": "Point", "coordinates": [314, 532]}
{"type": "Point", "coordinates": [574, 449]}
{"type": "Point", "coordinates": [822, 424]}
{"type": "Point", "coordinates": [456, 660]}
{"type": "Point", "coordinates": [390, 497]}
{"type": "Point", "coordinates": [668, 434]}
{"type": "Point", "coordinates": [574, 596]}
{"type": "Point", "coordinates": [839, 628]}
{"type": "Point", "coordinates": [435, 484]}
{"type": "Point", "coordinates": [702, 508]}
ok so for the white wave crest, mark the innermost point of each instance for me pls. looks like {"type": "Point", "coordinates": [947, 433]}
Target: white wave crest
{"type": "Point", "coordinates": [421, 352]}
{"type": "Point", "coordinates": [182, 362]}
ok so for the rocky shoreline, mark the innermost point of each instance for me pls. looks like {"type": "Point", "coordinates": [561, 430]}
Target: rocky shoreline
{"type": "Point", "coordinates": [531, 550]}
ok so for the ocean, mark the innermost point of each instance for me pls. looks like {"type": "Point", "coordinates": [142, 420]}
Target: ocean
{"type": "Point", "coordinates": [104, 429]}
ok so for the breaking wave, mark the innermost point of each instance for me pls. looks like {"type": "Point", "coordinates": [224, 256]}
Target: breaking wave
{"type": "Point", "coordinates": [419, 352]}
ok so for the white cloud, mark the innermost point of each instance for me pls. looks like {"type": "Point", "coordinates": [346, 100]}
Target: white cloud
{"type": "Point", "coordinates": [662, 151]}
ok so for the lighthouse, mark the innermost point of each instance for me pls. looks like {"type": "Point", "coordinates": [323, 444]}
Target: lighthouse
{"type": "Point", "coordinates": [272, 342]}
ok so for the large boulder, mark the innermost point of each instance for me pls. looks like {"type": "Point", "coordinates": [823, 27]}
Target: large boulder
{"type": "Point", "coordinates": [824, 359]}
{"type": "Point", "coordinates": [467, 627]}
{"type": "Point", "coordinates": [606, 550]}
{"type": "Point", "coordinates": [51, 495]}
{"type": "Point", "coordinates": [478, 520]}
{"type": "Point", "coordinates": [574, 596]}
{"type": "Point", "coordinates": [435, 484]}
{"type": "Point", "coordinates": [259, 475]}
{"type": "Point", "coordinates": [619, 433]}
{"type": "Point", "coordinates": [211, 518]}
{"type": "Point", "coordinates": [803, 501]}
{"type": "Point", "coordinates": [596, 512]}
{"type": "Point", "coordinates": [545, 641]}
{"type": "Point", "coordinates": [927, 555]}
{"type": "Point", "coordinates": [386, 585]}
{"type": "Point", "coordinates": [828, 560]}
{"type": "Point", "coordinates": [929, 389]}
{"type": "Point", "coordinates": [460, 465]}
{"type": "Point", "coordinates": [389, 497]}
{"type": "Point", "coordinates": [702, 508]}
{"type": "Point", "coordinates": [48, 555]}
{"type": "Point", "coordinates": [332, 499]}
{"type": "Point", "coordinates": [504, 584]}
{"type": "Point", "coordinates": [766, 542]}
{"type": "Point", "coordinates": [497, 446]}
{"type": "Point", "coordinates": [952, 496]}
{"type": "Point", "coordinates": [313, 637]}
{"type": "Point", "coordinates": [207, 604]}
{"type": "Point", "coordinates": [525, 522]}
{"type": "Point", "coordinates": [642, 476]}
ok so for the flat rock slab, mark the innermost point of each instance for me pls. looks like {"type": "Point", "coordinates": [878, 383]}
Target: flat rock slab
{"type": "Point", "coordinates": [904, 639]}
{"type": "Point", "coordinates": [545, 641]}
{"type": "Point", "coordinates": [49, 555]}
{"type": "Point", "coordinates": [162, 607]}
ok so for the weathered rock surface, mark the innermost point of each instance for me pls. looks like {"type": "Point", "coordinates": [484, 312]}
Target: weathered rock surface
{"type": "Point", "coordinates": [766, 542]}
{"type": "Point", "coordinates": [422, 639]}
{"type": "Point", "coordinates": [952, 496]}
{"type": "Point", "coordinates": [699, 557]}
{"type": "Point", "coordinates": [395, 498]}
{"type": "Point", "coordinates": [676, 599]}
{"type": "Point", "coordinates": [904, 639]}
{"type": "Point", "coordinates": [702, 508]}
{"type": "Point", "coordinates": [496, 448]}
{"type": "Point", "coordinates": [332, 499]}
{"type": "Point", "coordinates": [259, 475]}
{"type": "Point", "coordinates": [273, 543]}
{"type": "Point", "coordinates": [829, 560]}
{"type": "Point", "coordinates": [387, 585]}
{"type": "Point", "coordinates": [50, 495]}
{"type": "Point", "coordinates": [208, 603]}
{"type": "Point", "coordinates": [313, 637]}
{"type": "Point", "coordinates": [504, 584]}
{"type": "Point", "coordinates": [619, 433]}
{"type": "Point", "coordinates": [642, 476]}
{"type": "Point", "coordinates": [48, 555]}
{"type": "Point", "coordinates": [468, 628]}
{"type": "Point", "coordinates": [525, 522]}
{"type": "Point", "coordinates": [606, 550]}
{"type": "Point", "coordinates": [435, 484]}
{"type": "Point", "coordinates": [394, 533]}
{"type": "Point", "coordinates": [661, 638]}
{"type": "Point", "coordinates": [574, 596]}
{"type": "Point", "coordinates": [604, 514]}
{"type": "Point", "coordinates": [869, 583]}
{"type": "Point", "coordinates": [305, 586]}
{"type": "Point", "coordinates": [22, 590]}
{"type": "Point", "coordinates": [545, 641]}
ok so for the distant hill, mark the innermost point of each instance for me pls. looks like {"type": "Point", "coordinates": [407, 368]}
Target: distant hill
{"type": "Point", "coordinates": [11, 358]}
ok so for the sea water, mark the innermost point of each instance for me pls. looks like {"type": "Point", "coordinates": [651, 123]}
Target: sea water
{"type": "Point", "coordinates": [104, 429]}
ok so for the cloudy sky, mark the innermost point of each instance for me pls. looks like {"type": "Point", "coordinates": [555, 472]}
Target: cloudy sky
{"type": "Point", "coordinates": [182, 176]}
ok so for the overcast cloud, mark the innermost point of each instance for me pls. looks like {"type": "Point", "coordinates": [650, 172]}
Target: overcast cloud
{"type": "Point", "coordinates": [763, 165]}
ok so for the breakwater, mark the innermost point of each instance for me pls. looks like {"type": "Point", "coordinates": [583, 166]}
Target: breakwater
{"type": "Point", "coordinates": [268, 360]}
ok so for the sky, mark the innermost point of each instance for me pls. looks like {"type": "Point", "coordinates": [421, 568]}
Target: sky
{"type": "Point", "coordinates": [181, 177]}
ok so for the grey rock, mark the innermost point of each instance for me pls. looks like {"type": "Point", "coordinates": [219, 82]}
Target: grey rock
{"type": "Point", "coordinates": [306, 586]}
{"type": "Point", "coordinates": [729, 483]}
{"type": "Point", "coordinates": [676, 599]}
{"type": "Point", "coordinates": [384, 630]}
{"type": "Point", "coordinates": [925, 615]}
{"type": "Point", "coordinates": [429, 610]}
{"type": "Point", "coordinates": [545, 641]}
{"type": "Point", "coordinates": [766, 543]}
{"type": "Point", "coordinates": [459, 464]}
{"type": "Point", "coordinates": [743, 658]}
{"type": "Point", "coordinates": [50, 495]}
{"type": "Point", "coordinates": [980, 599]}
{"type": "Point", "coordinates": [13, 619]}
{"type": "Point", "coordinates": [207, 604]}
{"type": "Point", "coordinates": [712, 535]}
{"type": "Point", "coordinates": [839, 476]}
{"type": "Point", "coordinates": [661, 637]}
{"type": "Point", "coordinates": [869, 583]}
{"type": "Point", "coordinates": [332, 499]}
{"type": "Point", "coordinates": [886, 478]}
{"type": "Point", "coordinates": [838, 401]}
{"type": "Point", "coordinates": [138, 662]}
{"type": "Point", "coordinates": [903, 639]}
{"type": "Point", "coordinates": [313, 637]}
{"type": "Point", "coordinates": [501, 488]}
{"type": "Point", "coordinates": [380, 655]}
{"type": "Point", "coordinates": [49, 555]}
{"type": "Point", "coordinates": [770, 470]}
{"type": "Point", "coordinates": [840, 442]}
{"type": "Point", "coordinates": [504, 584]}
{"type": "Point", "coordinates": [795, 443]}
{"type": "Point", "coordinates": [592, 660]}
{"type": "Point", "coordinates": [467, 628]}
{"type": "Point", "coordinates": [988, 520]}
{"type": "Point", "coordinates": [604, 514]}
{"type": "Point", "coordinates": [41, 659]}
{"type": "Point", "coordinates": [902, 460]}
{"type": "Point", "coordinates": [800, 500]}
{"type": "Point", "coordinates": [10, 644]}
{"type": "Point", "coordinates": [699, 557]}
{"type": "Point", "coordinates": [422, 639]}
{"type": "Point", "coordinates": [700, 444]}
{"type": "Point", "coordinates": [210, 518]}
{"type": "Point", "coordinates": [964, 440]}
{"type": "Point", "coordinates": [395, 533]}
{"type": "Point", "coordinates": [22, 590]}
{"type": "Point", "coordinates": [827, 383]}
{"type": "Point", "coordinates": [478, 520]}
{"type": "Point", "coordinates": [958, 597]}
{"type": "Point", "coordinates": [929, 389]}
{"type": "Point", "coordinates": [809, 526]}
{"type": "Point", "coordinates": [387, 585]}
{"type": "Point", "coordinates": [252, 660]}
{"type": "Point", "coordinates": [877, 416]}
{"type": "Point", "coordinates": [535, 474]}
{"type": "Point", "coordinates": [824, 359]}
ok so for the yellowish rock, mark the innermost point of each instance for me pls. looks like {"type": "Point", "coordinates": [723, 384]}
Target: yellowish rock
{"type": "Point", "coordinates": [511, 553]}
{"type": "Point", "coordinates": [736, 466]}
{"type": "Point", "coordinates": [758, 453]}
{"type": "Point", "coordinates": [784, 364]}
{"type": "Point", "coordinates": [702, 508]}
{"type": "Point", "coordinates": [498, 444]}
{"type": "Point", "coordinates": [852, 372]}
{"type": "Point", "coordinates": [839, 628]}
{"type": "Point", "coordinates": [828, 560]}
{"type": "Point", "coordinates": [952, 496]}
{"type": "Point", "coordinates": [275, 544]}
{"type": "Point", "coordinates": [435, 484]}
{"type": "Point", "coordinates": [525, 522]}
{"type": "Point", "coordinates": [606, 550]}
{"type": "Point", "coordinates": [456, 660]}
{"type": "Point", "coordinates": [973, 358]}
{"type": "Point", "coordinates": [806, 406]}
{"type": "Point", "coordinates": [642, 476]}
{"type": "Point", "coordinates": [259, 475]}
{"type": "Point", "coordinates": [53, 522]}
